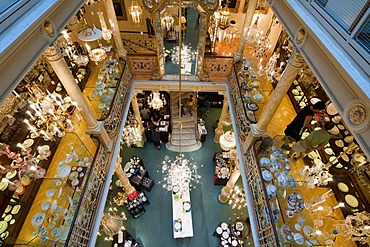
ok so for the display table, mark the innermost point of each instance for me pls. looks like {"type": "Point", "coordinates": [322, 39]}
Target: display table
{"type": "Point", "coordinates": [181, 212]}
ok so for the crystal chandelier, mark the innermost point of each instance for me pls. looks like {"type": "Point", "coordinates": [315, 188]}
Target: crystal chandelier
{"type": "Point", "coordinates": [136, 13]}
{"type": "Point", "coordinates": [106, 33]}
{"type": "Point", "coordinates": [187, 55]}
{"type": "Point", "coordinates": [253, 34]}
{"type": "Point", "coordinates": [168, 22]}
{"type": "Point", "coordinates": [271, 67]}
{"type": "Point", "coordinates": [112, 223]}
{"type": "Point", "coordinates": [97, 54]}
{"type": "Point", "coordinates": [179, 173]}
{"type": "Point", "coordinates": [224, 17]}
{"type": "Point", "coordinates": [156, 100]}
{"type": "Point", "coordinates": [131, 132]}
{"type": "Point", "coordinates": [49, 114]}
{"type": "Point", "coordinates": [357, 227]}
{"type": "Point", "coordinates": [263, 47]}
{"type": "Point", "coordinates": [317, 175]}
{"type": "Point", "coordinates": [237, 199]}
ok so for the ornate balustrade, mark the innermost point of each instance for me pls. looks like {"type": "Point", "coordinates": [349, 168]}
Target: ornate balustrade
{"type": "Point", "coordinates": [242, 120]}
{"type": "Point", "coordinates": [86, 214]}
{"type": "Point", "coordinates": [144, 65]}
{"type": "Point", "coordinates": [218, 68]}
{"type": "Point", "coordinates": [267, 235]}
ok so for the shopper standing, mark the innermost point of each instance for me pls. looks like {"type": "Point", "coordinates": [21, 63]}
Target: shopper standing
{"type": "Point", "coordinates": [295, 129]}
{"type": "Point", "coordinates": [315, 140]}
{"type": "Point", "coordinates": [156, 137]}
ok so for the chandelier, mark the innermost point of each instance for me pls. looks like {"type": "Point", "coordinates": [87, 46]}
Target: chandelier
{"type": "Point", "coordinates": [253, 34]}
{"type": "Point", "coordinates": [237, 199]}
{"type": "Point", "coordinates": [156, 100]}
{"type": "Point", "coordinates": [317, 175]}
{"type": "Point", "coordinates": [49, 114]}
{"type": "Point", "coordinates": [263, 47]}
{"type": "Point", "coordinates": [224, 17]}
{"type": "Point", "coordinates": [131, 132]}
{"type": "Point", "coordinates": [357, 227]}
{"type": "Point", "coordinates": [179, 173]}
{"type": "Point", "coordinates": [168, 22]}
{"type": "Point", "coordinates": [187, 55]}
{"type": "Point", "coordinates": [136, 13]}
{"type": "Point", "coordinates": [106, 33]}
{"type": "Point", "coordinates": [271, 69]}
{"type": "Point", "coordinates": [112, 223]}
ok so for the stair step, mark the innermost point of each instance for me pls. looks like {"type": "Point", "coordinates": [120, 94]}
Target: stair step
{"type": "Point", "coordinates": [176, 137]}
{"type": "Point", "coordinates": [184, 143]}
{"type": "Point", "coordinates": [175, 131]}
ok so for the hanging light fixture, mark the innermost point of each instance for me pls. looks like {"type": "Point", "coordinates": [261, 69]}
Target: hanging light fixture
{"type": "Point", "coordinates": [179, 173]}
{"type": "Point", "coordinates": [112, 224]}
{"type": "Point", "coordinates": [224, 17]}
{"type": "Point", "coordinates": [187, 54]}
{"type": "Point", "coordinates": [253, 34]}
{"type": "Point", "coordinates": [106, 33]}
{"type": "Point", "coordinates": [156, 100]}
{"type": "Point", "coordinates": [168, 22]}
{"type": "Point", "coordinates": [136, 13]}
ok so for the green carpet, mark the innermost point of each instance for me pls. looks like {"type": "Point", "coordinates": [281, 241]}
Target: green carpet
{"type": "Point", "coordinates": [154, 228]}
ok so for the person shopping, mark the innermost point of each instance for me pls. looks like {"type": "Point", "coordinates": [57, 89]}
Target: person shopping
{"type": "Point", "coordinates": [156, 137]}
{"type": "Point", "coordinates": [295, 129]}
{"type": "Point", "coordinates": [315, 140]}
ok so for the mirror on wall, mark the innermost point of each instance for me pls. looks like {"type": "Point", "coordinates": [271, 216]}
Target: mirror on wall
{"type": "Point", "coordinates": [171, 22]}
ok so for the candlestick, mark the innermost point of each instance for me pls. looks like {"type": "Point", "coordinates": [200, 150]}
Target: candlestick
{"type": "Point", "coordinates": [52, 113]}
{"type": "Point", "coordinates": [76, 105]}
{"type": "Point", "coordinates": [30, 126]}
{"type": "Point", "coordinates": [340, 205]}
{"type": "Point", "coordinates": [60, 134]}
{"type": "Point", "coordinates": [70, 123]}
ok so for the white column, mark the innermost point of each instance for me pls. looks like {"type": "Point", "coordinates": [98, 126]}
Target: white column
{"type": "Point", "coordinates": [247, 23]}
{"type": "Point", "coordinates": [220, 126]}
{"type": "Point", "coordinates": [121, 52]}
{"type": "Point", "coordinates": [294, 65]}
{"type": "Point", "coordinates": [60, 67]}
{"type": "Point", "coordinates": [122, 176]}
{"type": "Point", "coordinates": [226, 191]}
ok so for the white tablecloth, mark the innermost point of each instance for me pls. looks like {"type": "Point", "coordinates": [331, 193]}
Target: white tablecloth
{"type": "Point", "coordinates": [178, 212]}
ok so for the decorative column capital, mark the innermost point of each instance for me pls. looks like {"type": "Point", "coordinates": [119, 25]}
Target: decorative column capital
{"type": "Point", "coordinates": [53, 53]}
{"type": "Point", "coordinates": [296, 59]}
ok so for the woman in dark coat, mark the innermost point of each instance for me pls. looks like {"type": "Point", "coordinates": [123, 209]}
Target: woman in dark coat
{"type": "Point", "coordinates": [156, 137]}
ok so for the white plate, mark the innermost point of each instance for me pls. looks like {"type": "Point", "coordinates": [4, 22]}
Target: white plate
{"type": "Point", "coordinates": [348, 139]}
{"type": "Point", "coordinates": [317, 161]}
{"type": "Point", "coordinates": [224, 225]}
{"type": "Point", "coordinates": [302, 220]}
{"type": "Point", "coordinates": [313, 155]}
{"type": "Point", "coordinates": [81, 174]}
{"type": "Point", "coordinates": [334, 130]}
{"type": "Point", "coordinates": [225, 235]}
{"type": "Point", "coordinates": [58, 183]}
{"type": "Point", "coordinates": [12, 222]}
{"type": "Point", "coordinates": [64, 171]}
{"type": "Point", "coordinates": [187, 206]}
{"type": "Point", "coordinates": [341, 127]}
{"type": "Point", "coordinates": [37, 219]}
{"type": "Point", "coordinates": [333, 159]}
{"type": "Point", "coordinates": [351, 200]}
{"type": "Point", "coordinates": [337, 119]}
{"type": "Point", "coordinates": [11, 174]}
{"type": "Point", "coordinates": [73, 175]}
{"type": "Point", "coordinates": [315, 100]}
{"type": "Point", "coordinates": [345, 157]}
{"type": "Point", "coordinates": [339, 143]}
{"type": "Point", "coordinates": [295, 92]}
{"type": "Point", "coordinates": [50, 193]}
{"type": "Point", "coordinates": [298, 227]}
{"type": "Point", "coordinates": [3, 226]}
{"type": "Point", "coordinates": [177, 226]}
{"type": "Point", "coordinates": [271, 189]}
{"type": "Point", "coordinates": [267, 176]}
{"type": "Point", "coordinates": [265, 161]}
{"type": "Point", "coordinates": [219, 230]}
{"type": "Point", "coordinates": [79, 169]}
{"type": "Point", "coordinates": [307, 230]}
{"type": "Point", "coordinates": [8, 208]}
{"type": "Point", "coordinates": [75, 182]}
{"type": "Point", "coordinates": [339, 166]}
{"type": "Point", "coordinates": [61, 163]}
{"type": "Point", "coordinates": [8, 217]}
{"type": "Point", "coordinates": [329, 151]}
{"type": "Point", "coordinates": [45, 206]}
{"type": "Point", "coordinates": [331, 109]}
{"type": "Point", "coordinates": [16, 209]}
{"type": "Point", "coordinates": [28, 143]}
{"type": "Point", "coordinates": [298, 238]}
{"type": "Point", "coordinates": [343, 187]}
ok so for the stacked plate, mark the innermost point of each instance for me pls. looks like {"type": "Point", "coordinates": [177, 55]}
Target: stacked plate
{"type": "Point", "coordinates": [267, 176]}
